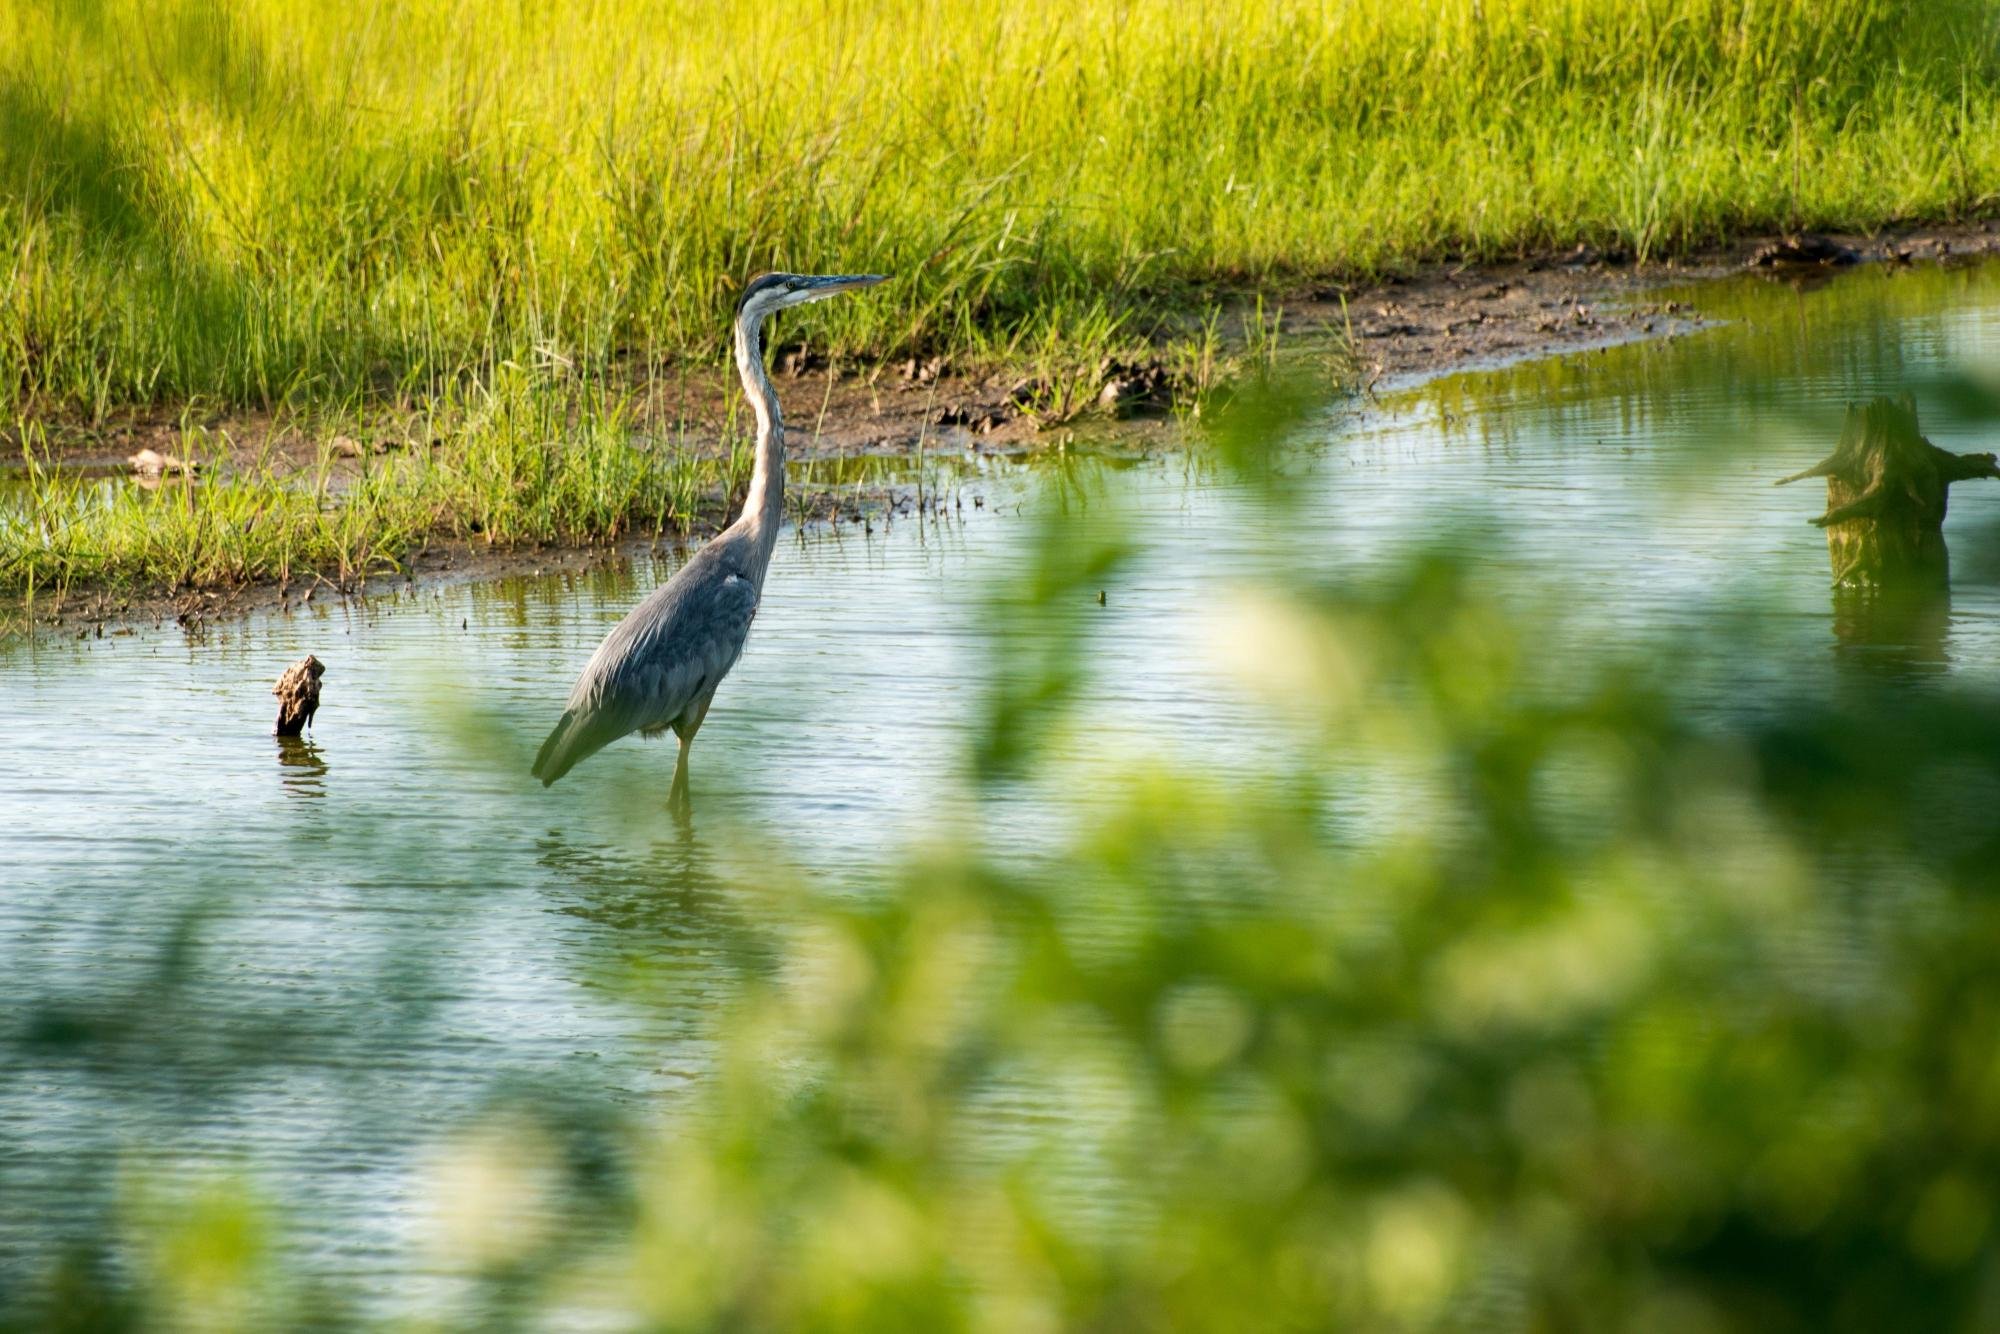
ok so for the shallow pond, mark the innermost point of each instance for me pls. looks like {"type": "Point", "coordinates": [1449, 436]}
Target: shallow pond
{"type": "Point", "coordinates": [391, 923]}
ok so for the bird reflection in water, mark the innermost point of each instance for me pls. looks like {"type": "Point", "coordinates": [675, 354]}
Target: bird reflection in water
{"type": "Point", "coordinates": [668, 921]}
{"type": "Point", "coordinates": [300, 767]}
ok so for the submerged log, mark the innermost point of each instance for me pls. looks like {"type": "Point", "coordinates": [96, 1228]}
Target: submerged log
{"type": "Point", "coordinates": [298, 694]}
{"type": "Point", "coordinates": [1886, 489]}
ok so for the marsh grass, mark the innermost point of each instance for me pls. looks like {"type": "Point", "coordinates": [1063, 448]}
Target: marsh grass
{"type": "Point", "coordinates": [273, 201]}
{"type": "Point", "coordinates": [461, 214]}
{"type": "Point", "coordinates": [517, 462]}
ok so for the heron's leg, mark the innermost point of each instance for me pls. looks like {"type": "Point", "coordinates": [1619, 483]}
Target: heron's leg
{"type": "Point", "coordinates": [685, 727]}
{"type": "Point", "coordinates": [678, 798]}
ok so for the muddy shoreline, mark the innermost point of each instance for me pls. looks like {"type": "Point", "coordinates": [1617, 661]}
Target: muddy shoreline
{"type": "Point", "coordinates": [1433, 320]}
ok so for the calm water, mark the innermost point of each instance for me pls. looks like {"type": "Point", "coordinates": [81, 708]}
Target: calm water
{"type": "Point", "coordinates": [341, 1009]}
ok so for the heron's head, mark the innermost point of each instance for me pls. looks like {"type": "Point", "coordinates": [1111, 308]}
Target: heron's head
{"type": "Point", "coordinates": [770, 292]}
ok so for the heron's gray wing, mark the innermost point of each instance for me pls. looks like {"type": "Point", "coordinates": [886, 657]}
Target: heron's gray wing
{"type": "Point", "coordinates": [670, 651]}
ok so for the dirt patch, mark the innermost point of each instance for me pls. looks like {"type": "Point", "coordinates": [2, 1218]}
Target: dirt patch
{"type": "Point", "coordinates": [1448, 317]}
{"type": "Point", "coordinates": [1434, 319]}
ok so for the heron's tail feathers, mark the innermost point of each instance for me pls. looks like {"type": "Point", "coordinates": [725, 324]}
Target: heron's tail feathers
{"type": "Point", "coordinates": [577, 737]}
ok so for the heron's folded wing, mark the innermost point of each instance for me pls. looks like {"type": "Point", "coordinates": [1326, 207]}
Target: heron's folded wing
{"type": "Point", "coordinates": [673, 647]}
{"type": "Point", "coordinates": [667, 652]}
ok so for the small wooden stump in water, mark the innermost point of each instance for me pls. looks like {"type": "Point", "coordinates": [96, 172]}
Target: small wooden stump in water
{"type": "Point", "coordinates": [1885, 497]}
{"type": "Point", "coordinates": [298, 694]}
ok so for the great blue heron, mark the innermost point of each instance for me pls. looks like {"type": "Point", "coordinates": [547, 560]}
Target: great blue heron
{"type": "Point", "coordinates": [659, 668]}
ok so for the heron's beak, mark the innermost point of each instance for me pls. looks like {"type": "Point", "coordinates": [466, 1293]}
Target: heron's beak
{"type": "Point", "coordinates": [820, 288]}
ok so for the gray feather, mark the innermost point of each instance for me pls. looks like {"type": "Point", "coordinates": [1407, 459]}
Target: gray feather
{"type": "Point", "coordinates": [663, 661]}
{"type": "Point", "coordinates": [661, 665]}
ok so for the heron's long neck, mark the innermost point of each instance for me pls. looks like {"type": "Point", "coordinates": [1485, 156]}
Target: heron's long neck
{"type": "Point", "coordinates": [764, 507]}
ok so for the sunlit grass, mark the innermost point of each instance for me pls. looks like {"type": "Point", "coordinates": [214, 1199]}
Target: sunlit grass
{"type": "Point", "coordinates": [275, 202]}
{"type": "Point", "coordinates": [450, 211]}
{"type": "Point", "coordinates": [518, 463]}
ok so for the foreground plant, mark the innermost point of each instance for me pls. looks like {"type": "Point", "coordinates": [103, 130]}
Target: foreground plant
{"type": "Point", "coordinates": [1503, 995]}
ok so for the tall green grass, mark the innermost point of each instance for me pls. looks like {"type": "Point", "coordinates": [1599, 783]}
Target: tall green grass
{"type": "Point", "coordinates": [279, 202]}
{"type": "Point", "coordinates": [515, 462]}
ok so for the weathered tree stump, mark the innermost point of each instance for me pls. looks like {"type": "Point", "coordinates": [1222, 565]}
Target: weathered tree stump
{"type": "Point", "coordinates": [1886, 488]}
{"type": "Point", "coordinates": [298, 694]}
